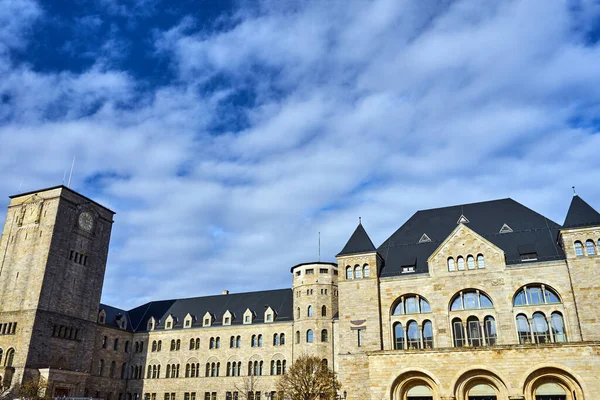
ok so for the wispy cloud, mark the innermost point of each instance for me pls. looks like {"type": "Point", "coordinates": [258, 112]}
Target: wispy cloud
{"type": "Point", "coordinates": [274, 123]}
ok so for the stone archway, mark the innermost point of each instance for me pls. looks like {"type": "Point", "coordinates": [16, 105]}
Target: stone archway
{"type": "Point", "coordinates": [414, 385]}
{"type": "Point", "coordinates": [552, 383]}
{"type": "Point", "coordinates": [480, 384]}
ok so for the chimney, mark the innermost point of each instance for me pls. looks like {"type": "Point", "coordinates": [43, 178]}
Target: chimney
{"type": "Point", "coordinates": [225, 292]}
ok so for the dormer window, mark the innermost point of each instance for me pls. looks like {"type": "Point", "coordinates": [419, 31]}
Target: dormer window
{"type": "Point", "coordinates": [248, 316]}
{"type": "Point", "coordinates": [529, 257]}
{"type": "Point", "coordinates": [168, 325]}
{"type": "Point", "coordinates": [207, 319]}
{"type": "Point", "coordinates": [102, 317]}
{"type": "Point", "coordinates": [408, 268]}
{"type": "Point", "coordinates": [188, 323]}
{"type": "Point", "coordinates": [151, 324]}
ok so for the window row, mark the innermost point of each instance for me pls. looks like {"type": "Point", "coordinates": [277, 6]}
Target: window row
{"type": "Point", "coordinates": [358, 272]}
{"type": "Point", "coordinates": [64, 332]}
{"type": "Point", "coordinates": [539, 329]}
{"type": "Point", "coordinates": [311, 271]}
{"type": "Point", "coordinates": [310, 311]}
{"type": "Point", "coordinates": [590, 248]}
{"type": "Point", "coordinates": [78, 258]}
{"type": "Point", "coordinates": [459, 265]}
{"type": "Point", "coordinates": [310, 336]}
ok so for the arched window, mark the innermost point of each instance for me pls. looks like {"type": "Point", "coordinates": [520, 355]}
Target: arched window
{"type": "Point", "coordinates": [523, 329]}
{"type": "Point", "coordinates": [451, 265]}
{"type": "Point", "coordinates": [309, 336]}
{"type": "Point", "coordinates": [309, 312]}
{"type": "Point", "coordinates": [192, 342]}
{"type": "Point", "coordinates": [590, 247]}
{"type": "Point", "coordinates": [159, 347]}
{"type": "Point", "coordinates": [228, 371]}
{"type": "Point", "coordinates": [149, 373]}
{"type": "Point", "coordinates": [541, 331]}
{"type": "Point", "coordinates": [218, 342]}
{"type": "Point", "coordinates": [474, 331]}
{"type": "Point", "coordinates": [238, 341]}
{"type": "Point", "coordinates": [470, 300]}
{"type": "Point", "coordinates": [297, 312]}
{"type": "Point", "coordinates": [275, 339]}
{"type": "Point", "coordinates": [178, 345]}
{"type": "Point", "coordinates": [323, 311]}
{"type": "Point", "coordinates": [153, 345]}
{"type": "Point", "coordinates": [324, 336]}
{"type": "Point", "coordinates": [427, 335]}
{"type": "Point", "coordinates": [470, 262]}
{"type": "Point", "coordinates": [188, 368]}
{"type": "Point", "coordinates": [197, 343]}
{"type": "Point", "coordinates": [480, 261]}
{"type": "Point", "coordinates": [411, 304]}
{"type": "Point", "coordinates": [558, 327]}
{"type": "Point", "coordinates": [535, 294]}
{"type": "Point", "coordinates": [398, 336]}
{"type": "Point", "coordinates": [282, 339]}
{"type": "Point", "coordinates": [461, 263]}
{"type": "Point", "coordinates": [578, 248]}
{"type": "Point", "coordinates": [211, 343]}
{"type": "Point", "coordinates": [489, 325]}
{"type": "Point", "coordinates": [349, 274]}
{"type": "Point", "coordinates": [413, 335]}
{"type": "Point", "coordinates": [366, 271]}
{"type": "Point", "coordinates": [358, 272]}
{"type": "Point", "coordinates": [172, 344]}
{"type": "Point", "coordinates": [253, 342]}
{"type": "Point", "coordinates": [297, 337]}
{"type": "Point", "coordinates": [458, 332]}
{"type": "Point", "coordinates": [260, 341]}
{"type": "Point", "coordinates": [279, 366]}
{"type": "Point", "coordinates": [100, 365]}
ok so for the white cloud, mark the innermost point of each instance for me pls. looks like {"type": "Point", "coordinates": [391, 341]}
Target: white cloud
{"type": "Point", "coordinates": [373, 109]}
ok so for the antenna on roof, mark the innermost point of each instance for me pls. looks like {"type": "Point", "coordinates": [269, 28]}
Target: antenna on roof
{"type": "Point", "coordinates": [71, 173]}
{"type": "Point", "coordinates": [20, 185]}
{"type": "Point", "coordinates": [319, 246]}
{"type": "Point", "coordinates": [574, 193]}
{"type": "Point", "coordinates": [64, 176]}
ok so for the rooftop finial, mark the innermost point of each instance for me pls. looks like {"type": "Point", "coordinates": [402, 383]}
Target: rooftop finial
{"type": "Point", "coordinates": [574, 193]}
{"type": "Point", "coordinates": [360, 220]}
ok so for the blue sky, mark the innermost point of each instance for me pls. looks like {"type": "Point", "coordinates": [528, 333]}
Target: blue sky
{"type": "Point", "coordinates": [227, 134]}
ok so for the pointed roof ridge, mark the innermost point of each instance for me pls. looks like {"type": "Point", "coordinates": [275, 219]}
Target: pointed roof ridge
{"type": "Point", "coordinates": [359, 242]}
{"type": "Point", "coordinates": [581, 214]}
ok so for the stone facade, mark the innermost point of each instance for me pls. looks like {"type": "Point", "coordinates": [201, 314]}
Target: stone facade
{"type": "Point", "coordinates": [408, 336]}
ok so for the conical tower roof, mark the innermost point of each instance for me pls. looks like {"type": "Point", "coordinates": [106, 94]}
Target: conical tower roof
{"type": "Point", "coordinates": [581, 214]}
{"type": "Point", "coordinates": [359, 242]}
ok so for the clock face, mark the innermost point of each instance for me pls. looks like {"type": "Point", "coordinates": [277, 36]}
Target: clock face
{"type": "Point", "coordinates": [86, 221]}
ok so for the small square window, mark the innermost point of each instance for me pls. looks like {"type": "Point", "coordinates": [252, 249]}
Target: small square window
{"type": "Point", "coordinates": [206, 321]}
{"type": "Point", "coordinates": [298, 273]}
{"type": "Point", "coordinates": [226, 320]}
{"type": "Point", "coordinates": [247, 318]}
{"type": "Point", "coordinates": [168, 324]}
{"type": "Point", "coordinates": [269, 317]}
{"type": "Point", "coordinates": [187, 323]}
{"type": "Point", "coordinates": [323, 271]}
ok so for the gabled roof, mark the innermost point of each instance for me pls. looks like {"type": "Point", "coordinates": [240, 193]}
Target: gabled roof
{"type": "Point", "coordinates": [485, 218]}
{"type": "Point", "coordinates": [111, 316]}
{"type": "Point", "coordinates": [581, 214]}
{"type": "Point", "coordinates": [358, 243]}
{"type": "Point", "coordinates": [280, 300]}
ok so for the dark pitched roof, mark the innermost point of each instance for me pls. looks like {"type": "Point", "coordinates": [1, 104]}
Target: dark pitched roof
{"type": "Point", "coordinates": [581, 214]}
{"type": "Point", "coordinates": [112, 314]}
{"type": "Point", "coordinates": [359, 242]}
{"type": "Point", "coordinates": [280, 300]}
{"type": "Point", "coordinates": [530, 229]}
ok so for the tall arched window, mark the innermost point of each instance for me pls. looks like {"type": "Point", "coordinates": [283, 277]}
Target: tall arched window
{"type": "Point", "coordinates": [558, 327]}
{"type": "Point", "coordinates": [398, 336]}
{"type": "Point", "coordinates": [366, 271]}
{"type": "Point", "coordinates": [578, 248]}
{"type": "Point", "coordinates": [357, 272]}
{"type": "Point", "coordinates": [192, 343]}
{"type": "Point", "coordinates": [541, 331]}
{"type": "Point", "coordinates": [275, 339]}
{"type": "Point", "coordinates": [309, 336]}
{"type": "Point", "coordinates": [172, 344]}
{"type": "Point", "coordinates": [324, 336]}
{"type": "Point", "coordinates": [282, 339]}
{"type": "Point", "coordinates": [260, 341]}
{"type": "Point", "coordinates": [427, 335]}
{"type": "Point", "coordinates": [461, 263]}
{"type": "Point", "coordinates": [154, 345]}
{"type": "Point", "coordinates": [309, 312]}
{"type": "Point", "coordinates": [480, 261]}
{"type": "Point", "coordinates": [535, 294]}
{"type": "Point", "coordinates": [297, 312]}
{"type": "Point", "coordinates": [198, 344]}
{"type": "Point", "coordinates": [413, 335]}
{"type": "Point", "coordinates": [253, 341]}
{"type": "Point", "coordinates": [238, 342]}
{"type": "Point", "coordinates": [590, 247]}
{"type": "Point", "coordinates": [470, 262]}
{"type": "Point", "coordinates": [451, 265]}
{"type": "Point", "coordinates": [474, 331]}
{"type": "Point", "coordinates": [349, 272]}
{"type": "Point", "coordinates": [323, 311]}
{"type": "Point", "coordinates": [523, 329]}
{"type": "Point", "coordinates": [297, 337]}
{"type": "Point", "coordinates": [489, 325]}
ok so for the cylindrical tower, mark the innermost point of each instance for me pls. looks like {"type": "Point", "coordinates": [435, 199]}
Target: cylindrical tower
{"type": "Point", "coordinates": [315, 304]}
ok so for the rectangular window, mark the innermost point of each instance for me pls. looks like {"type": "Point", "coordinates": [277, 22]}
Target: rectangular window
{"type": "Point", "coordinates": [206, 395]}
{"type": "Point", "coordinates": [408, 268]}
{"type": "Point", "coordinates": [187, 323]}
{"type": "Point", "coordinates": [193, 397]}
{"type": "Point", "coordinates": [71, 254]}
{"type": "Point", "coordinates": [228, 396]}
{"type": "Point", "coordinates": [310, 271]}
{"type": "Point", "coordinates": [186, 396]}
{"type": "Point", "coordinates": [359, 337]}
{"type": "Point", "coordinates": [323, 271]}
{"type": "Point", "coordinates": [214, 396]}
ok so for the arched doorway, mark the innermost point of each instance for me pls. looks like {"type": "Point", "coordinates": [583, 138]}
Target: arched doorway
{"type": "Point", "coordinates": [419, 392]}
{"type": "Point", "coordinates": [550, 391]}
{"type": "Point", "coordinates": [482, 391]}
{"type": "Point", "coordinates": [414, 385]}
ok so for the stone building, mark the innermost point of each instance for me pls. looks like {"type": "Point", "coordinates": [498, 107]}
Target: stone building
{"type": "Point", "coordinates": [478, 301]}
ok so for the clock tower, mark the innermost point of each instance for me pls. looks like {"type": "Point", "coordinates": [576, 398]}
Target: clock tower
{"type": "Point", "coordinates": [53, 253]}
